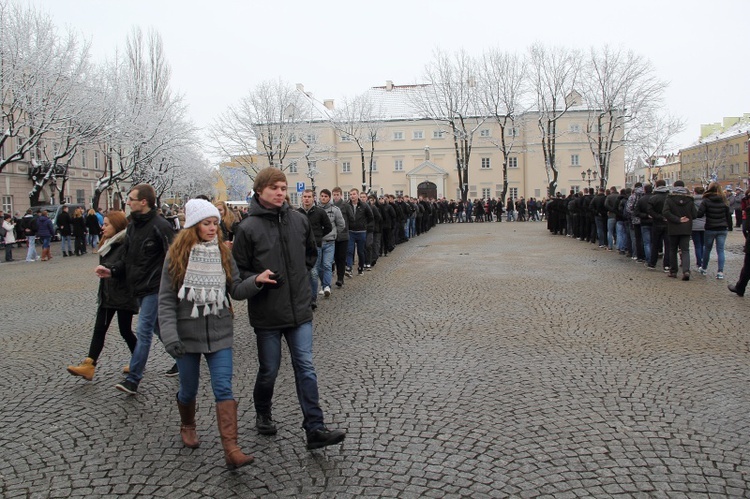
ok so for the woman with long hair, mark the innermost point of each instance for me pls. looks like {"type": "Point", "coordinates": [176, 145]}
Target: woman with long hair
{"type": "Point", "coordinates": [114, 295]}
{"type": "Point", "coordinates": [196, 321]}
{"type": "Point", "coordinates": [93, 227]}
{"type": "Point", "coordinates": [79, 232]}
{"type": "Point", "coordinates": [718, 224]}
{"type": "Point", "coordinates": [226, 222]}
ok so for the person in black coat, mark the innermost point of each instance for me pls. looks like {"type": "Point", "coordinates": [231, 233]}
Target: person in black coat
{"type": "Point", "coordinates": [64, 225]}
{"type": "Point", "coordinates": [79, 232]}
{"type": "Point", "coordinates": [93, 228]}
{"type": "Point", "coordinates": [114, 297]}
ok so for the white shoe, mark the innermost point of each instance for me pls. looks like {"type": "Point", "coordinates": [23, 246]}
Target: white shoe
{"type": "Point", "coordinates": [327, 291]}
{"type": "Point", "coordinates": [320, 292]}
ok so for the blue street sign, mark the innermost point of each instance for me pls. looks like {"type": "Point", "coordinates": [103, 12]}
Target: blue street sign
{"type": "Point", "coordinates": [300, 187]}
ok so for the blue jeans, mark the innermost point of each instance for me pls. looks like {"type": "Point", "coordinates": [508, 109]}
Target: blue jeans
{"type": "Point", "coordinates": [148, 324]}
{"type": "Point", "coordinates": [220, 367]}
{"type": "Point", "coordinates": [299, 340]}
{"type": "Point", "coordinates": [67, 244]}
{"type": "Point", "coordinates": [31, 254]}
{"type": "Point", "coordinates": [45, 242]}
{"type": "Point", "coordinates": [313, 274]}
{"type": "Point", "coordinates": [325, 263]}
{"type": "Point", "coordinates": [358, 239]}
{"type": "Point", "coordinates": [699, 241]}
{"type": "Point", "coordinates": [623, 237]}
{"type": "Point", "coordinates": [412, 227]}
{"type": "Point", "coordinates": [601, 230]}
{"type": "Point", "coordinates": [720, 236]}
{"type": "Point", "coordinates": [93, 240]}
{"type": "Point", "coordinates": [611, 226]}
{"type": "Point", "coordinates": [646, 234]}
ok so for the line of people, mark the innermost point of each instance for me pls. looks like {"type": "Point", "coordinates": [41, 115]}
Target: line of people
{"type": "Point", "coordinates": [653, 221]}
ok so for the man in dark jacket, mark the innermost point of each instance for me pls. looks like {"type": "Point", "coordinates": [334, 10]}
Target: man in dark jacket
{"type": "Point", "coordinates": [357, 232]}
{"type": "Point", "coordinates": [342, 237]}
{"type": "Point", "coordinates": [65, 226]}
{"type": "Point", "coordinates": [389, 216]}
{"type": "Point", "coordinates": [276, 248]}
{"type": "Point", "coordinates": [679, 211]}
{"type": "Point", "coordinates": [659, 228]}
{"type": "Point", "coordinates": [147, 241]}
{"type": "Point", "coordinates": [641, 211]}
{"type": "Point", "coordinates": [29, 226]}
{"type": "Point", "coordinates": [320, 225]}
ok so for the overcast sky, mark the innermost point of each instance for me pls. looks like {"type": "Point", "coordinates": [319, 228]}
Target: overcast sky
{"type": "Point", "coordinates": [220, 49]}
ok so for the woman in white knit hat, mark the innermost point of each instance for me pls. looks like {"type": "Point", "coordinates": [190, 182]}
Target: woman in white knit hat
{"type": "Point", "coordinates": [196, 321]}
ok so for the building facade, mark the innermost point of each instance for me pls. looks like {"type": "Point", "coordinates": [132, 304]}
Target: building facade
{"type": "Point", "coordinates": [414, 156]}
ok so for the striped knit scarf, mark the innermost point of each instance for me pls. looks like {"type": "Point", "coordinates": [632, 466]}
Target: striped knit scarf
{"type": "Point", "coordinates": [205, 281]}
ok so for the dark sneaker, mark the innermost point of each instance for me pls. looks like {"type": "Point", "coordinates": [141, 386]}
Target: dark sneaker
{"type": "Point", "coordinates": [128, 387]}
{"type": "Point", "coordinates": [339, 284]}
{"type": "Point", "coordinates": [265, 425]}
{"type": "Point", "coordinates": [324, 437]}
{"type": "Point", "coordinates": [733, 289]}
{"type": "Point", "coordinates": [173, 371]}
{"type": "Point", "coordinates": [348, 272]}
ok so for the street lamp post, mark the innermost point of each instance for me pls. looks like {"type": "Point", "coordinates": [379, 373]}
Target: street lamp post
{"type": "Point", "coordinates": [588, 175]}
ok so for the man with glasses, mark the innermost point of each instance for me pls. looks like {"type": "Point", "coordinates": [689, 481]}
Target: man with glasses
{"type": "Point", "coordinates": [147, 241]}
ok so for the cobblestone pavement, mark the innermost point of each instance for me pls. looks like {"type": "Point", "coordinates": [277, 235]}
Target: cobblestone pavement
{"type": "Point", "coordinates": [479, 360]}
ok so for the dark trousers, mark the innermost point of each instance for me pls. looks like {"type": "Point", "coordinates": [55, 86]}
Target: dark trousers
{"type": "Point", "coordinates": [375, 247]}
{"type": "Point", "coordinates": [683, 244]}
{"type": "Point", "coordinates": [339, 258]}
{"type": "Point", "coordinates": [101, 325]}
{"type": "Point", "coordinates": [80, 245]}
{"type": "Point", "coordinates": [387, 241]}
{"type": "Point", "coordinates": [659, 237]}
{"type": "Point", "coordinates": [744, 275]}
{"type": "Point", "coordinates": [640, 252]}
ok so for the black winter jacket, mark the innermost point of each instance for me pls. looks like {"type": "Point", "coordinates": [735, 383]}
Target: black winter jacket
{"type": "Point", "coordinates": [718, 215]}
{"type": "Point", "coordinates": [64, 221]}
{"type": "Point", "coordinates": [147, 241]}
{"type": "Point", "coordinates": [362, 217]}
{"type": "Point", "coordinates": [282, 241]}
{"type": "Point", "coordinates": [115, 293]}
{"type": "Point", "coordinates": [678, 204]}
{"type": "Point", "coordinates": [656, 206]}
{"type": "Point", "coordinates": [319, 222]}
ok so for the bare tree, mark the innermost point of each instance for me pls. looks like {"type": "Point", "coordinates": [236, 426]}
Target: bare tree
{"type": "Point", "coordinates": [502, 78]}
{"type": "Point", "coordinates": [653, 139]}
{"type": "Point", "coordinates": [266, 122]}
{"type": "Point", "coordinates": [620, 89]}
{"type": "Point", "coordinates": [554, 76]}
{"type": "Point", "coordinates": [450, 99]}
{"type": "Point", "coordinates": [39, 71]}
{"type": "Point", "coordinates": [359, 120]}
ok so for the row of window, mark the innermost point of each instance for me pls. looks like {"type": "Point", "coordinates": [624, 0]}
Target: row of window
{"type": "Point", "coordinates": [36, 154]}
{"type": "Point", "coordinates": [714, 153]}
{"type": "Point", "coordinates": [398, 164]}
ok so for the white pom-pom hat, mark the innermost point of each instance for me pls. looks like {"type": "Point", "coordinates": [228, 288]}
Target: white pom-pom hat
{"type": "Point", "coordinates": [198, 209]}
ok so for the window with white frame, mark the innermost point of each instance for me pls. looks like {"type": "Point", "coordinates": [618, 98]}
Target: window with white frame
{"type": "Point", "coordinates": [575, 128]}
{"type": "Point", "coordinates": [374, 165]}
{"type": "Point", "coordinates": [293, 167]}
{"type": "Point", "coordinates": [80, 196]}
{"type": "Point", "coordinates": [399, 193]}
{"type": "Point", "coordinates": [574, 160]}
{"type": "Point", "coordinates": [486, 192]}
{"type": "Point", "coordinates": [513, 192]}
{"type": "Point", "coordinates": [83, 158]}
{"type": "Point", "coordinates": [398, 135]}
{"type": "Point", "coordinates": [96, 160]}
{"type": "Point", "coordinates": [513, 162]}
{"type": "Point", "coordinates": [398, 165]}
{"type": "Point", "coordinates": [311, 138]}
{"type": "Point", "coordinates": [346, 138]}
{"type": "Point", "coordinates": [438, 134]}
{"type": "Point", "coordinates": [8, 204]}
{"type": "Point", "coordinates": [485, 132]}
{"type": "Point", "coordinates": [511, 131]}
{"type": "Point", "coordinates": [345, 195]}
{"type": "Point", "coordinates": [417, 135]}
{"type": "Point", "coordinates": [346, 167]}
{"type": "Point", "coordinates": [485, 163]}
{"type": "Point", "coordinates": [294, 198]}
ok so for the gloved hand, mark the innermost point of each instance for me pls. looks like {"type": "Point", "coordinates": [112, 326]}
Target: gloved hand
{"type": "Point", "coordinates": [176, 349]}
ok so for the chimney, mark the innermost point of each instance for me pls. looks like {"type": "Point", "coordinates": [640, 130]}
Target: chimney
{"type": "Point", "coordinates": [328, 103]}
{"type": "Point", "coordinates": [389, 85]}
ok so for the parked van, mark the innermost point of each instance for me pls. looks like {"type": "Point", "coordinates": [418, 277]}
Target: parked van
{"type": "Point", "coordinates": [55, 209]}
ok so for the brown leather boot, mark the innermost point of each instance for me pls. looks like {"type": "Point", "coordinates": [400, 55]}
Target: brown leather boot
{"type": "Point", "coordinates": [85, 369]}
{"type": "Point", "coordinates": [226, 417]}
{"type": "Point", "coordinates": [187, 428]}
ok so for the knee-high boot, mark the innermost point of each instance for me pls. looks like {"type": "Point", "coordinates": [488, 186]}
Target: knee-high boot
{"type": "Point", "coordinates": [187, 426]}
{"type": "Point", "coordinates": [226, 417]}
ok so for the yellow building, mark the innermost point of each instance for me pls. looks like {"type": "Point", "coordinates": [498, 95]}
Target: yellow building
{"type": "Point", "coordinates": [720, 156]}
{"type": "Point", "coordinates": [414, 156]}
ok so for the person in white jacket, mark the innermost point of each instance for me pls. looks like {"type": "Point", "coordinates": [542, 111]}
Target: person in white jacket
{"type": "Point", "coordinates": [10, 236]}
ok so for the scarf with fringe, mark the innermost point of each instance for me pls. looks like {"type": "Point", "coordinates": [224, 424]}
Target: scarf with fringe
{"type": "Point", "coordinates": [205, 281]}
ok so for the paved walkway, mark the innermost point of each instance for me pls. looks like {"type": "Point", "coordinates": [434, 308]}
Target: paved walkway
{"type": "Point", "coordinates": [479, 360]}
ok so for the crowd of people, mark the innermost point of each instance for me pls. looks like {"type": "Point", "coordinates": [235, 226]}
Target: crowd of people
{"type": "Point", "coordinates": [649, 222]}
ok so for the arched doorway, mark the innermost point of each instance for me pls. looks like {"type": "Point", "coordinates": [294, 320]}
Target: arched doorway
{"type": "Point", "coordinates": [427, 190]}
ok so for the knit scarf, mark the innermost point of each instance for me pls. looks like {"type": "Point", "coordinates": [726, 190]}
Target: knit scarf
{"type": "Point", "coordinates": [205, 281]}
{"type": "Point", "coordinates": [108, 243]}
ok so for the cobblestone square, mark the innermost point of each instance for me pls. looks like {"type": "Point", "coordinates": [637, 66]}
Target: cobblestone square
{"type": "Point", "coordinates": [477, 360]}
